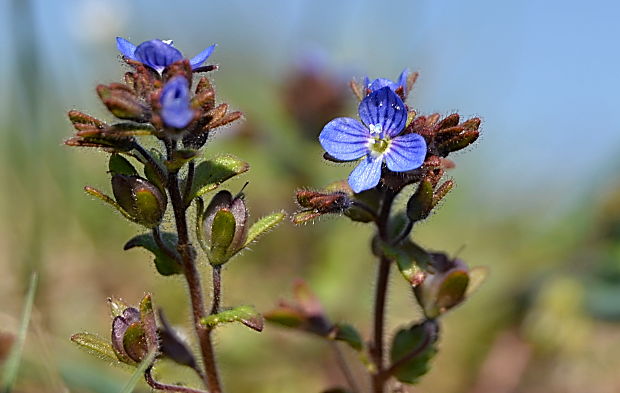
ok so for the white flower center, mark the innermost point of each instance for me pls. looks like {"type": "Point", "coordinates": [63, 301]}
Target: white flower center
{"type": "Point", "coordinates": [375, 129]}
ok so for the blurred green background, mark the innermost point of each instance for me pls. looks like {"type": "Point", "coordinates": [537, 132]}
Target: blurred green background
{"type": "Point", "coordinates": [537, 201]}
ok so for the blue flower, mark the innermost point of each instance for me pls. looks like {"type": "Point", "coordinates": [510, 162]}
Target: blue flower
{"type": "Point", "coordinates": [383, 82]}
{"type": "Point", "coordinates": [376, 139]}
{"type": "Point", "coordinates": [175, 106]}
{"type": "Point", "coordinates": [159, 54]}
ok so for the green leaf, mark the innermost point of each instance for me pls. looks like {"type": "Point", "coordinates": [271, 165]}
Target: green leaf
{"type": "Point", "coordinates": [263, 225]}
{"type": "Point", "coordinates": [180, 158]}
{"type": "Point", "coordinates": [166, 266]}
{"type": "Point", "coordinates": [421, 202]}
{"type": "Point", "coordinates": [139, 373]}
{"type": "Point", "coordinates": [304, 216]}
{"type": "Point", "coordinates": [210, 174]}
{"type": "Point", "coordinates": [147, 317]}
{"type": "Point", "coordinates": [132, 129]}
{"type": "Point", "coordinates": [247, 315]}
{"type": "Point", "coordinates": [96, 193]}
{"type": "Point", "coordinates": [156, 172]}
{"type": "Point", "coordinates": [417, 341]}
{"type": "Point", "coordinates": [406, 263]}
{"type": "Point", "coordinates": [348, 334]}
{"type": "Point", "coordinates": [285, 316]}
{"type": "Point", "coordinates": [95, 345]}
{"type": "Point", "coordinates": [11, 367]}
{"type": "Point", "coordinates": [119, 165]}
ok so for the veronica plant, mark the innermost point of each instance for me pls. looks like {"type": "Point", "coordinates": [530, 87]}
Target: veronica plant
{"type": "Point", "coordinates": [393, 149]}
{"type": "Point", "coordinates": [157, 101]}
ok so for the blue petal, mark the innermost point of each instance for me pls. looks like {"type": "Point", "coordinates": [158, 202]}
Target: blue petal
{"type": "Point", "coordinates": [157, 54]}
{"type": "Point", "coordinates": [402, 80]}
{"type": "Point", "coordinates": [366, 82]}
{"type": "Point", "coordinates": [126, 48]}
{"type": "Point", "coordinates": [366, 175]}
{"type": "Point", "coordinates": [381, 83]}
{"type": "Point", "coordinates": [407, 152]}
{"type": "Point", "coordinates": [200, 58]}
{"type": "Point", "coordinates": [175, 106]}
{"type": "Point", "coordinates": [383, 107]}
{"type": "Point", "coordinates": [344, 138]}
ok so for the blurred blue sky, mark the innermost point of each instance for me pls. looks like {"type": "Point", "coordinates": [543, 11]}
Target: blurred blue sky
{"type": "Point", "coordinates": [543, 75]}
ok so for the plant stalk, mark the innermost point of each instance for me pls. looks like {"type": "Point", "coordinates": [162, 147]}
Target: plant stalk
{"type": "Point", "coordinates": [383, 275]}
{"type": "Point", "coordinates": [192, 276]}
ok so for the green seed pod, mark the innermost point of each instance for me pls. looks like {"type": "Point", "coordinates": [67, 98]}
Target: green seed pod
{"type": "Point", "coordinates": [128, 337]}
{"type": "Point", "coordinates": [224, 227]}
{"type": "Point", "coordinates": [142, 200]}
{"type": "Point", "coordinates": [444, 289]}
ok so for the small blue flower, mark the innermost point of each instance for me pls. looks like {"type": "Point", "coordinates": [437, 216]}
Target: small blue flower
{"type": "Point", "coordinates": [175, 106]}
{"type": "Point", "coordinates": [378, 139]}
{"type": "Point", "coordinates": [159, 54]}
{"type": "Point", "coordinates": [382, 82]}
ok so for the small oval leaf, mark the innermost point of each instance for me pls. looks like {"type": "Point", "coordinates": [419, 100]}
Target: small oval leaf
{"type": "Point", "coordinates": [166, 266]}
{"type": "Point", "coordinates": [263, 225]}
{"type": "Point", "coordinates": [95, 345]}
{"type": "Point", "coordinates": [210, 174]}
{"type": "Point", "coordinates": [412, 350]}
{"type": "Point", "coordinates": [247, 315]}
{"type": "Point", "coordinates": [119, 165]}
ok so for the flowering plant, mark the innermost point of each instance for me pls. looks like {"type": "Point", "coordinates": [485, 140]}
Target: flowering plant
{"type": "Point", "coordinates": [394, 148]}
{"type": "Point", "coordinates": [156, 101]}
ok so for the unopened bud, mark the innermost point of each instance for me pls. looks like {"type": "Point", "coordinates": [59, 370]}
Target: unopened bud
{"type": "Point", "coordinates": [123, 103]}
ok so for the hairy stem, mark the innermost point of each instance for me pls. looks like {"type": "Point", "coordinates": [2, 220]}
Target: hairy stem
{"type": "Point", "coordinates": [342, 363]}
{"type": "Point", "coordinates": [148, 376]}
{"type": "Point", "coordinates": [217, 289]}
{"type": "Point", "coordinates": [191, 168]}
{"type": "Point", "coordinates": [188, 256]}
{"type": "Point", "coordinates": [383, 275]}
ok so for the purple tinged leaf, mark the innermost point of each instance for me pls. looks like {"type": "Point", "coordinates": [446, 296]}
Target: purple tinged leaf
{"type": "Point", "coordinates": [407, 152]}
{"type": "Point", "coordinates": [345, 139]}
{"type": "Point", "coordinates": [366, 175]}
